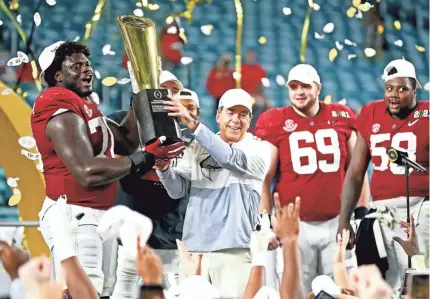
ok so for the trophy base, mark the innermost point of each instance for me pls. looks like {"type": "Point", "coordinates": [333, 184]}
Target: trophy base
{"type": "Point", "coordinates": [152, 120]}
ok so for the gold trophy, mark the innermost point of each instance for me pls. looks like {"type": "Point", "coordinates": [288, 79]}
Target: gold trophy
{"type": "Point", "coordinates": [140, 42]}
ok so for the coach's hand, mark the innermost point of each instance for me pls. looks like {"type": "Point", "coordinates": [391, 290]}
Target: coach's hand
{"type": "Point", "coordinates": [165, 152]}
{"type": "Point", "coordinates": [346, 225]}
{"type": "Point", "coordinates": [176, 109]}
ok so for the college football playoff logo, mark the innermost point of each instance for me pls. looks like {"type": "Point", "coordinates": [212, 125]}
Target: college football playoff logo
{"type": "Point", "coordinates": [157, 94]}
{"type": "Point", "coordinates": [290, 125]}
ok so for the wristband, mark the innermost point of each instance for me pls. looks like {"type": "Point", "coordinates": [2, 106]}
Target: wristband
{"type": "Point", "coordinates": [360, 213]}
{"type": "Point", "coordinates": [141, 163]}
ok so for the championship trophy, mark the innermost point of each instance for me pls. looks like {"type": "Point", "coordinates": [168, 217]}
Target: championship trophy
{"type": "Point", "coordinates": [140, 42]}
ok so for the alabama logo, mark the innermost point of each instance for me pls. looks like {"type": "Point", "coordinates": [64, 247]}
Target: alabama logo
{"type": "Point", "coordinates": [290, 125]}
{"type": "Point", "coordinates": [88, 111]}
{"type": "Point", "coordinates": [375, 128]}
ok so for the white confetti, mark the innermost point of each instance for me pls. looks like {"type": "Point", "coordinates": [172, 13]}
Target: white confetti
{"type": "Point", "coordinates": [6, 91]}
{"type": "Point", "coordinates": [51, 2]}
{"type": "Point", "coordinates": [39, 167]}
{"type": "Point", "coordinates": [286, 11]}
{"type": "Point", "coordinates": [14, 61]}
{"type": "Point", "coordinates": [237, 75]}
{"type": "Point", "coordinates": [97, 74]}
{"type": "Point", "coordinates": [37, 19]}
{"type": "Point", "coordinates": [23, 56]}
{"type": "Point", "coordinates": [186, 60]}
{"type": "Point", "coordinates": [328, 28]}
{"type": "Point", "coordinates": [138, 12]}
{"type": "Point", "coordinates": [27, 142]}
{"type": "Point", "coordinates": [319, 36]}
{"type": "Point", "coordinates": [359, 15]}
{"type": "Point", "coordinates": [343, 101]}
{"type": "Point", "coordinates": [339, 46]}
{"type": "Point", "coordinates": [1, 22]}
{"type": "Point", "coordinates": [265, 82]}
{"type": "Point", "coordinates": [398, 43]}
{"type": "Point", "coordinates": [207, 29]}
{"type": "Point", "coordinates": [316, 7]}
{"type": "Point", "coordinates": [369, 52]}
{"type": "Point", "coordinates": [427, 86]}
{"type": "Point", "coordinates": [351, 56]}
{"type": "Point", "coordinates": [106, 49]}
{"type": "Point", "coordinates": [16, 191]}
{"type": "Point", "coordinates": [19, 19]}
{"type": "Point", "coordinates": [366, 6]}
{"type": "Point", "coordinates": [350, 43]}
{"type": "Point", "coordinates": [280, 80]}
{"type": "Point", "coordinates": [111, 53]}
{"type": "Point", "coordinates": [172, 30]}
{"type": "Point", "coordinates": [29, 155]}
{"type": "Point", "coordinates": [76, 38]}
{"type": "Point", "coordinates": [12, 182]}
{"type": "Point", "coordinates": [124, 81]}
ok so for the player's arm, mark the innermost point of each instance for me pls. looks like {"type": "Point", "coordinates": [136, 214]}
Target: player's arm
{"type": "Point", "coordinates": [77, 281]}
{"type": "Point", "coordinates": [68, 133]}
{"type": "Point", "coordinates": [266, 202]}
{"type": "Point", "coordinates": [365, 191]}
{"type": "Point", "coordinates": [353, 185]}
{"type": "Point", "coordinates": [125, 134]}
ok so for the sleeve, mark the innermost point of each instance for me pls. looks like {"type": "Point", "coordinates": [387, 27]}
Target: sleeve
{"type": "Point", "coordinates": [362, 121]}
{"type": "Point", "coordinates": [351, 120]}
{"type": "Point", "coordinates": [254, 163]}
{"type": "Point", "coordinates": [46, 108]}
{"type": "Point", "coordinates": [265, 129]}
{"type": "Point", "coordinates": [177, 180]}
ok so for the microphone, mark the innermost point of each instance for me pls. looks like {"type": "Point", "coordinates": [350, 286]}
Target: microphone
{"type": "Point", "coordinates": [402, 158]}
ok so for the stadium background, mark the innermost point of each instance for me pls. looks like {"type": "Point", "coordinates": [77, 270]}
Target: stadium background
{"type": "Point", "coordinates": [272, 28]}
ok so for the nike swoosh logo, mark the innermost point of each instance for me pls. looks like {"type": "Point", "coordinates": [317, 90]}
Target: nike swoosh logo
{"type": "Point", "coordinates": [412, 123]}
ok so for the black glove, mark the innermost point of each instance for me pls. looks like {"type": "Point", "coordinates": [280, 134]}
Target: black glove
{"type": "Point", "coordinates": [360, 213]}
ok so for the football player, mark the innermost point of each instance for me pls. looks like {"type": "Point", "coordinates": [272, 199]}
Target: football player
{"type": "Point", "coordinates": [398, 121]}
{"type": "Point", "coordinates": [76, 146]}
{"type": "Point", "coordinates": [314, 141]}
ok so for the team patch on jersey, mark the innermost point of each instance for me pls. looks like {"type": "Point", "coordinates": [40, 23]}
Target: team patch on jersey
{"type": "Point", "coordinates": [290, 125]}
{"type": "Point", "coordinates": [88, 111]}
{"type": "Point", "coordinates": [421, 113]}
{"type": "Point", "coordinates": [375, 128]}
{"type": "Point", "coordinates": [340, 114]}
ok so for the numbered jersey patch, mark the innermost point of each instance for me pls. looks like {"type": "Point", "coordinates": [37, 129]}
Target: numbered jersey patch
{"type": "Point", "coordinates": [312, 156]}
{"type": "Point", "coordinates": [55, 101]}
{"type": "Point", "coordinates": [410, 135]}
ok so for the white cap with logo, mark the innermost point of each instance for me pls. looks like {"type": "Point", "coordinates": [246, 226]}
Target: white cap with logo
{"type": "Point", "coordinates": [188, 94]}
{"type": "Point", "coordinates": [167, 76]}
{"type": "Point", "coordinates": [46, 58]}
{"type": "Point", "coordinates": [236, 97]}
{"type": "Point", "coordinates": [400, 68]}
{"type": "Point", "coordinates": [304, 73]}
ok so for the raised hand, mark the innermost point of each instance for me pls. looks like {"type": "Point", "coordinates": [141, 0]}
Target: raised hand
{"type": "Point", "coordinates": [192, 261]}
{"type": "Point", "coordinates": [287, 221]}
{"type": "Point", "coordinates": [410, 246]}
{"type": "Point", "coordinates": [342, 243]}
{"type": "Point", "coordinates": [149, 265]}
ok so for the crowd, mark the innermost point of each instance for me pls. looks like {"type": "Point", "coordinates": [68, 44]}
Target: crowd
{"type": "Point", "coordinates": [193, 218]}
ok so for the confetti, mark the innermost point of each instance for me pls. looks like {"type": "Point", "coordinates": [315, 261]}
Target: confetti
{"type": "Point", "coordinates": [265, 82]}
{"type": "Point", "coordinates": [420, 48]}
{"type": "Point", "coordinates": [106, 49]}
{"type": "Point", "coordinates": [6, 91]}
{"type": "Point", "coordinates": [19, 19]}
{"type": "Point", "coordinates": [327, 99]}
{"type": "Point", "coordinates": [286, 11]}
{"type": "Point", "coordinates": [262, 40]}
{"type": "Point", "coordinates": [14, 61]}
{"type": "Point", "coordinates": [169, 20]}
{"type": "Point", "coordinates": [280, 80]}
{"type": "Point", "coordinates": [397, 25]}
{"type": "Point", "coordinates": [27, 142]}
{"type": "Point", "coordinates": [29, 155]}
{"type": "Point", "coordinates": [237, 75]}
{"type": "Point", "coordinates": [51, 2]}
{"type": "Point", "coordinates": [343, 101]}
{"type": "Point", "coordinates": [328, 28]}
{"type": "Point", "coordinates": [369, 52]}
{"type": "Point", "coordinates": [186, 60]}
{"type": "Point", "coordinates": [316, 7]}
{"type": "Point", "coordinates": [22, 56]}
{"type": "Point", "coordinates": [138, 12]}
{"type": "Point", "coordinates": [427, 86]}
{"type": "Point", "coordinates": [109, 81]}
{"type": "Point", "coordinates": [365, 6]}
{"type": "Point", "coordinates": [351, 56]}
{"type": "Point", "coordinates": [319, 36]}
{"type": "Point", "coordinates": [172, 30]}
{"type": "Point", "coordinates": [76, 38]}
{"type": "Point", "coordinates": [359, 15]}
{"type": "Point", "coordinates": [153, 6]}
{"type": "Point", "coordinates": [351, 12]}
{"type": "Point", "coordinates": [398, 43]}
{"type": "Point", "coordinates": [37, 19]}
{"type": "Point", "coordinates": [350, 43]}
{"type": "Point", "coordinates": [339, 46]}
{"type": "Point", "coordinates": [14, 199]}
{"type": "Point", "coordinates": [97, 74]}
{"type": "Point", "coordinates": [1, 22]}
{"type": "Point", "coordinates": [207, 29]}
{"type": "Point", "coordinates": [356, 3]}
{"type": "Point", "coordinates": [124, 81]}
{"type": "Point", "coordinates": [380, 29]}
{"type": "Point", "coordinates": [12, 182]}
{"type": "Point", "coordinates": [332, 54]}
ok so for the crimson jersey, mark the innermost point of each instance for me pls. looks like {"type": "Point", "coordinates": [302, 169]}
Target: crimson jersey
{"type": "Point", "coordinates": [58, 179]}
{"type": "Point", "coordinates": [312, 156]}
{"type": "Point", "coordinates": [411, 135]}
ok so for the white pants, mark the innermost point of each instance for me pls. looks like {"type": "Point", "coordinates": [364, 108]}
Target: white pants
{"type": "Point", "coordinates": [317, 241]}
{"type": "Point", "coordinates": [97, 257]}
{"type": "Point", "coordinates": [127, 283]}
{"type": "Point", "coordinates": [397, 258]}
